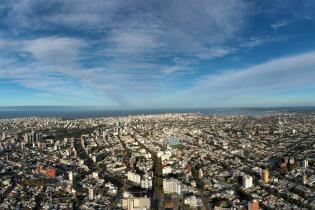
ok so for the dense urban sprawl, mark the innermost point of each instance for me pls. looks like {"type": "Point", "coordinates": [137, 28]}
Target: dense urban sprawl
{"type": "Point", "coordinates": [167, 161]}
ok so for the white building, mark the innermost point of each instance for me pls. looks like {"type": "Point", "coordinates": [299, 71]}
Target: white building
{"type": "Point", "coordinates": [91, 193]}
{"type": "Point", "coordinates": [134, 177]}
{"type": "Point", "coordinates": [94, 158]}
{"type": "Point", "coordinates": [201, 173]}
{"type": "Point", "coordinates": [247, 181]}
{"type": "Point", "coordinates": [146, 183]}
{"type": "Point", "coordinates": [95, 175]}
{"type": "Point", "coordinates": [167, 170]}
{"type": "Point", "coordinates": [112, 189]}
{"type": "Point", "coordinates": [305, 163]}
{"type": "Point", "coordinates": [166, 155]}
{"type": "Point", "coordinates": [70, 176]}
{"type": "Point", "coordinates": [171, 186]}
{"type": "Point", "coordinates": [3, 135]}
{"type": "Point", "coordinates": [192, 201]}
{"type": "Point", "coordinates": [136, 203]}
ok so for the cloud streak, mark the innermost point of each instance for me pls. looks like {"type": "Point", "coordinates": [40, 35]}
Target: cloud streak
{"type": "Point", "coordinates": [280, 24]}
{"type": "Point", "coordinates": [282, 74]}
{"type": "Point", "coordinates": [54, 48]}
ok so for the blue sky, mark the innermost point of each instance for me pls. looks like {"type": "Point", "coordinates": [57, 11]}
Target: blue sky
{"type": "Point", "coordinates": [157, 54]}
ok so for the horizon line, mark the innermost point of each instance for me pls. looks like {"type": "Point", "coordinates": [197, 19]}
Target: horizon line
{"type": "Point", "coordinates": [146, 108]}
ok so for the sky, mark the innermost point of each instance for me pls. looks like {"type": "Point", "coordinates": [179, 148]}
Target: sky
{"type": "Point", "coordinates": [157, 53]}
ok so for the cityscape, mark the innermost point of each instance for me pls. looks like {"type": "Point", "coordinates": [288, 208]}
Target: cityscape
{"type": "Point", "coordinates": [162, 161]}
{"type": "Point", "coordinates": [157, 104]}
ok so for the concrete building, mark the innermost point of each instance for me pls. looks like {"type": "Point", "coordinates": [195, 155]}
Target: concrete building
{"type": "Point", "coordinates": [136, 203]}
{"type": "Point", "coordinates": [172, 186]}
{"type": "Point", "coordinates": [91, 193]}
{"type": "Point", "coordinates": [3, 135]}
{"type": "Point", "coordinates": [304, 178]}
{"type": "Point", "coordinates": [167, 170]}
{"type": "Point", "coordinates": [146, 183]}
{"type": "Point", "coordinates": [247, 181]}
{"type": "Point", "coordinates": [265, 175]}
{"type": "Point", "coordinates": [70, 176]}
{"type": "Point", "coordinates": [134, 177]}
{"type": "Point", "coordinates": [95, 175]}
{"type": "Point", "coordinates": [192, 201]}
{"type": "Point", "coordinates": [305, 163]}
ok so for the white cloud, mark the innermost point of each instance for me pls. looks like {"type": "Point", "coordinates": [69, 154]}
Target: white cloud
{"type": "Point", "coordinates": [177, 25]}
{"type": "Point", "coordinates": [215, 52]}
{"type": "Point", "coordinates": [170, 69]}
{"type": "Point", "coordinates": [280, 24]}
{"type": "Point", "coordinates": [54, 48]}
{"type": "Point", "coordinates": [139, 47]}
{"type": "Point", "coordinates": [288, 73]}
{"type": "Point", "coordinates": [258, 41]}
{"type": "Point", "coordinates": [132, 36]}
{"type": "Point", "coordinates": [71, 13]}
{"type": "Point", "coordinates": [131, 42]}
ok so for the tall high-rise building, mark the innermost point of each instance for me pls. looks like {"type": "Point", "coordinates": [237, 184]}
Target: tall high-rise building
{"type": "Point", "coordinates": [71, 176]}
{"type": "Point", "coordinates": [247, 181]}
{"type": "Point", "coordinates": [265, 175]}
{"type": "Point", "coordinates": [304, 178]}
{"type": "Point", "coordinates": [30, 138]}
{"type": "Point", "coordinates": [200, 173]}
{"type": "Point", "coordinates": [91, 193]}
{"type": "Point", "coordinates": [3, 135]}
{"type": "Point", "coordinates": [146, 183]}
{"type": "Point", "coordinates": [305, 163]}
{"type": "Point", "coordinates": [95, 175]}
{"type": "Point", "coordinates": [38, 137]}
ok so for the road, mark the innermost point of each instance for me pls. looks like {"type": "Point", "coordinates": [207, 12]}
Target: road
{"type": "Point", "coordinates": [117, 181]}
{"type": "Point", "coordinates": [158, 192]}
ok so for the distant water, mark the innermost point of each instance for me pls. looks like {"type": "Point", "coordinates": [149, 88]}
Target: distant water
{"type": "Point", "coordinates": [80, 113]}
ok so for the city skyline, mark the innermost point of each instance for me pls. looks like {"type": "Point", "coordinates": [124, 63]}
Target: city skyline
{"type": "Point", "coordinates": [160, 54]}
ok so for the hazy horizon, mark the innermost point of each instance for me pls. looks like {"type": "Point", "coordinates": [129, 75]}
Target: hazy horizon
{"type": "Point", "coordinates": [90, 112]}
{"type": "Point", "coordinates": [144, 108]}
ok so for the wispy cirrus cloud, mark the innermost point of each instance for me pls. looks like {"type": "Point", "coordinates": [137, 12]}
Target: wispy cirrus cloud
{"type": "Point", "coordinates": [282, 74]}
{"type": "Point", "coordinates": [258, 41]}
{"type": "Point", "coordinates": [176, 25]}
{"type": "Point", "coordinates": [126, 41]}
{"type": "Point", "coordinates": [54, 48]}
{"type": "Point", "coordinates": [280, 24]}
{"type": "Point", "coordinates": [215, 52]}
